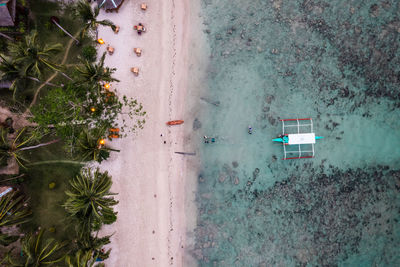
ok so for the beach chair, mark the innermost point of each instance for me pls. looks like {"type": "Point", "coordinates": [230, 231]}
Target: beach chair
{"type": "Point", "coordinates": [139, 28]}
{"type": "Point", "coordinates": [135, 71]}
{"type": "Point", "coordinates": [143, 6]}
{"type": "Point", "coordinates": [137, 51]}
{"type": "Point", "coordinates": [110, 50]}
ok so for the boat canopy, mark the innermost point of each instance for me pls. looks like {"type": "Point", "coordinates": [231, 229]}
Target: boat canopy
{"type": "Point", "coordinates": [302, 138]}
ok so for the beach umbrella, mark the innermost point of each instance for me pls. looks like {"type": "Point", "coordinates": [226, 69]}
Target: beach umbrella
{"type": "Point", "coordinates": [109, 4]}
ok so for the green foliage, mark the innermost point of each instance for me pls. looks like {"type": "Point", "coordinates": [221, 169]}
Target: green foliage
{"type": "Point", "coordinates": [32, 57]}
{"type": "Point", "coordinates": [48, 25]}
{"type": "Point", "coordinates": [90, 204]}
{"type": "Point", "coordinates": [88, 15]}
{"type": "Point", "coordinates": [12, 148]}
{"type": "Point", "coordinates": [81, 259]}
{"type": "Point", "coordinates": [6, 240]}
{"type": "Point", "coordinates": [13, 211]}
{"type": "Point", "coordinates": [64, 109]}
{"type": "Point", "coordinates": [88, 242]}
{"type": "Point", "coordinates": [88, 147]}
{"type": "Point", "coordinates": [37, 251]}
{"type": "Point", "coordinates": [21, 29]}
{"type": "Point", "coordinates": [91, 73]}
{"type": "Point", "coordinates": [85, 104]}
{"type": "Point", "coordinates": [89, 53]}
{"type": "Point", "coordinates": [15, 147]}
{"type": "Point", "coordinates": [89, 198]}
{"type": "Point", "coordinates": [22, 2]}
{"type": "Point", "coordinates": [11, 71]}
{"type": "Point", "coordinates": [52, 185]}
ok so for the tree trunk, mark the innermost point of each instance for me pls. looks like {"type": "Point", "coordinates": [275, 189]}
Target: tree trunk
{"type": "Point", "coordinates": [39, 81]}
{"type": "Point", "coordinates": [56, 162]}
{"type": "Point", "coordinates": [66, 76]}
{"type": "Point", "coordinates": [40, 145]}
{"type": "Point", "coordinates": [67, 33]}
{"type": "Point", "coordinates": [7, 37]}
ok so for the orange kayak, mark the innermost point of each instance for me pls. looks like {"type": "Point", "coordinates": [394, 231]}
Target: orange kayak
{"type": "Point", "coordinates": [177, 122]}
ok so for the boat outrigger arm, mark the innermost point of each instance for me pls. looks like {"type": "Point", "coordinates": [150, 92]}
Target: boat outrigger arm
{"type": "Point", "coordinates": [298, 138]}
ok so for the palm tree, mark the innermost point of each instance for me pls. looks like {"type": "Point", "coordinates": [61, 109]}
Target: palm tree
{"type": "Point", "coordinates": [82, 259]}
{"type": "Point", "coordinates": [13, 148]}
{"type": "Point", "coordinates": [88, 16]}
{"type": "Point", "coordinates": [13, 211]}
{"type": "Point", "coordinates": [11, 71]}
{"type": "Point", "coordinates": [56, 22]}
{"type": "Point", "coordinates": [32, 57]}
{"type": "Point", "coordinates": [89, 199]}
{"type": "Point", "coordinates": [38, 252]}
{"type": "Point", "coordinates": [93, 73]}
{"type": "Point", "coordinates": [88, 147]}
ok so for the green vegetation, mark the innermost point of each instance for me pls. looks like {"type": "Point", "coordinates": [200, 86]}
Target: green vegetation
{"type": "Point", "coordinates": [90, 205]}
{"type": "Point", "coordinates": [89, 53]}
{"type": "Point", "coordinates": [37, 251]}
{"type": "Point", "coordinates": [93, 73]}
{"type": "Point", "coordinates": [14, 148]}
{"type": "Point", "coordinates": [88, 17]}
{"type": "Point", "coordinates": [88, 147]}
{"type": "Point", "coordinates": [13, 211]}
{"type": "Point", "coordinates": [60, 114]}
{"type": "Point", "coordinates": [30, 57]}
{"type": "Point", "coordinates": [89, 198]}
{"type": "Point", "coordinates": [81, 259]}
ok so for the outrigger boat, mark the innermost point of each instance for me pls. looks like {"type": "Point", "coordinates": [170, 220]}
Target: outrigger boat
{"type": "Point", "coordinates": [298, 138]}
{"type": "Point", "coordinates": [176, 122]}
{"type": "Point", "coordinates": [285, 138]}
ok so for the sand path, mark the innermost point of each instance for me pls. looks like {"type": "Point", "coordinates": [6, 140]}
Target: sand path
{"type": "Point", "coordinates": [148, 176]}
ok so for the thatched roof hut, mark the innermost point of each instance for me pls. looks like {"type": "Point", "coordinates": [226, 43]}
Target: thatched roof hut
{"type": "Point", "coordinates": [7, 12]}
{"type": "Point", "coordinates": [110, 5]}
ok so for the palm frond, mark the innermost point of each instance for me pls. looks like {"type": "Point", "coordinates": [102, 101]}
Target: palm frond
{"type": "Point", "coordinates": [89, 198]}
{"type": "Point", "coordinates": [38, 252]}
{"type": "Point", "coordinates": [13, 210]}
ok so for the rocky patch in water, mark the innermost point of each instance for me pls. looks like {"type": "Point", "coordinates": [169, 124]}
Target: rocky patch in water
{"type": "Point", "coordinates": [315, 216]}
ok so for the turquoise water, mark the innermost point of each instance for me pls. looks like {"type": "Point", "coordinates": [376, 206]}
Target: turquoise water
{"type": "Point", "coordinates": [337, 62]}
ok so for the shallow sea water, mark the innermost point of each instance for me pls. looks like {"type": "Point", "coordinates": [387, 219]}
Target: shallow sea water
{"type": "Point", "coordinates": [337, 62]}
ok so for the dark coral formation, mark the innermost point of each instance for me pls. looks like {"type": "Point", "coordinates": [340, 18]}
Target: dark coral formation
{"type": "Point", "coordinates": [361, 40]}
{"type": "Point", "coordinates": [318, 218]}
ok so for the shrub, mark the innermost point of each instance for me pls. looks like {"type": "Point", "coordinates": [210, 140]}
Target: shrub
{"type": "Point", "coordinates": [52, 185]}
{"type": "Point", "coordinates": [89, 53]}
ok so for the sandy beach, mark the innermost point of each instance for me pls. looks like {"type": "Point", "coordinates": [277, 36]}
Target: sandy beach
{"type": "Point", "coordinates": [147, 175]}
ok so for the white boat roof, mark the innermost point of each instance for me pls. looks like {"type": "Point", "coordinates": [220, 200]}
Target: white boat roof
{"type": "Point", "coordinates": [303, 138]}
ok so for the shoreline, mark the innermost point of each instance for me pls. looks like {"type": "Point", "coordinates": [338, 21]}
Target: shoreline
{"type": "Point", "coordinates": [147, 175]}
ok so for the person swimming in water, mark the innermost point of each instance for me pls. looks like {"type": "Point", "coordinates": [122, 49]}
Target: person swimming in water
{"type": "Point", "coordinates": [250, 131]}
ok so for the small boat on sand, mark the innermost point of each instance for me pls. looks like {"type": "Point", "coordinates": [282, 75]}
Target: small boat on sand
{"type": "Point", "coordinates": [176, 122]}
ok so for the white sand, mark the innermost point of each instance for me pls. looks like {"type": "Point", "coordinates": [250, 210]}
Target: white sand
{"type": "Point", "coordinates": [148, 176]}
